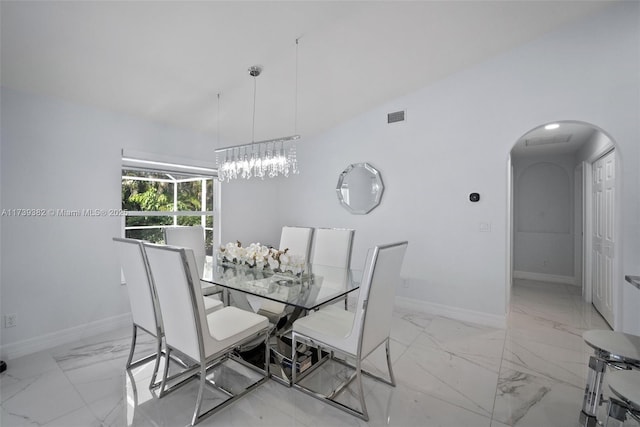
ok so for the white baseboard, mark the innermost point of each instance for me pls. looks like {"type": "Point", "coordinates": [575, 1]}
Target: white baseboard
{"type": "Point", "coordinates": [456, 313]}
{"type": "Point", "coordinates": [44, 342]}
{"type": "Point", "coordinates": [542, 277]}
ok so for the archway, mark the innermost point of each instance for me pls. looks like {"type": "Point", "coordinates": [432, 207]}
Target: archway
{"type": "Point", "coordinates": [556, 224]}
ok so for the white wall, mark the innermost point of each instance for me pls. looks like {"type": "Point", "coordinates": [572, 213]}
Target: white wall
{"type": "Point", "coordinates": [543, 217]}
{"type": "Point", "coordinates": [249, 213]}
{"type": "Point", "coordinates": [60, 274]}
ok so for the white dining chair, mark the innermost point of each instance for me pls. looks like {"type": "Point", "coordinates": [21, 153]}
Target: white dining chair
{"type": "Point", "coordinates": [207, 339]}
{"type": "Point", "coordinates": [355, 334]}
{"type": "Point", "coordinates": [332, 247]}
{"type": "Point", "coordinates": [296, 241]}
{"type": "Point", "coordinates": [145, 311]}
{"type": "Point", "coordinates": [192, 237]}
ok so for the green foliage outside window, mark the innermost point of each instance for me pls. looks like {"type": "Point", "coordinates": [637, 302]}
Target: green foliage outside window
{"type": "Point", "coordinates": [156, 193]}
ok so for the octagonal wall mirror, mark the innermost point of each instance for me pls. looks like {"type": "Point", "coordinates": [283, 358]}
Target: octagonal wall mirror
{"type": "Point", "coordinates": [360, 188]}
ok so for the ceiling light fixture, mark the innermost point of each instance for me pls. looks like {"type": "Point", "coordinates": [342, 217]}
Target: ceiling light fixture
{"type": "Point", "coordinates": [552, 126]}
{"type": "Point", "coordinates": [268, 158]}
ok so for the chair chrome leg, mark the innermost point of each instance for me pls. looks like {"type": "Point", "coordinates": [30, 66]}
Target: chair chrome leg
{"type": "Point", "coordinates": [133, 345]}
{"type": "Point", "coordinates": [165, 373]}
{"type": "Point", "coordinates": [203, 379]}
{"type": "Point", "coordinates": [134, 390]}
{"type": "Point", "coordinates": [363, 405]}
{"type": "Point", "coordinates": [319, 353]}
{"type": "Point", "coordinates": [391, 376]}
{"type": "Point", "coordinates": [267, 356]}
{"type": "Point", "coordinates": [156, 365]}
{"type": "Point", "coordinates": [294, 357]}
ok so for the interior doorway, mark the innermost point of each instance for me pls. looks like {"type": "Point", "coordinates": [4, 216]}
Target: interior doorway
{"type": "Point", "coordinates": [563, 221]}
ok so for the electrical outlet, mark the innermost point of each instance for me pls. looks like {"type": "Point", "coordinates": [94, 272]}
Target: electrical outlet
{"type": "Point", "coordinates": [484, 227]}
{"type": "Point", "coordinates": [10, 320]}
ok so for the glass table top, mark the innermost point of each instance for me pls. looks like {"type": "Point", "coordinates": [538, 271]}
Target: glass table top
{"type": "Point", "coordinates": [316, 286]}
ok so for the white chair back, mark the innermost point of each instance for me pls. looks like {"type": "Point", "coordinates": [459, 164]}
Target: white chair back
{"type": "Point", "coordinates": [176, 277]}
{"type": "Point", "coordinates": [191, 237]}
{"type": "Point", "coordinates": [139, 285]}
{"type": "Point", "coordinates": [297, 240]}
{"type": "Point", "coordinates": [328, 279]}
{"type": "Point", "coordinates": [332, 247]}
{"type": "Point", "coordinates": [372, 322]}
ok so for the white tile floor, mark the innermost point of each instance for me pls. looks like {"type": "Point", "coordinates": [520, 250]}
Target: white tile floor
{"type": "Point", "coordinates": [449, 373]}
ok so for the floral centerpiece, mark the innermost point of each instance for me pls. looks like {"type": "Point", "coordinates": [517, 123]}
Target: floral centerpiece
{"type": "Point", "coordinates": [262, 257]}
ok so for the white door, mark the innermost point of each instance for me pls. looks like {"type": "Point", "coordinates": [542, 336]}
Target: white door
{"type": "Point", "coordinates": [604, 179]}
{"type": "Point", "coordinates": [578, 225]}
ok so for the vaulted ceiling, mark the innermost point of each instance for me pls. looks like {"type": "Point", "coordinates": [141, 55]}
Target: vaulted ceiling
{"type": "Point", "coordinates": [168, 61]}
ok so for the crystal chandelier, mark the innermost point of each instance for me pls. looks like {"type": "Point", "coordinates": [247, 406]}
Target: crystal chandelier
{"type": "Point", "coordinates": [269, 158]}
{"type": "Point", "coordinates": [260, 159]}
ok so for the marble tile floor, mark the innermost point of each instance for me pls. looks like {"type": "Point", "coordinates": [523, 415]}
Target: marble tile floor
{"type": "Point", "coordinates": [449, 373]}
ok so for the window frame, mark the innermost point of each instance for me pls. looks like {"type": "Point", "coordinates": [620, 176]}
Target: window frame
{"type": "Point", "coordinates": [159, 164]}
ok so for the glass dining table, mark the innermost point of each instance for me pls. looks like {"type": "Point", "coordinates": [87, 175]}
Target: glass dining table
{"type": "Point", "coordinates": [317, 286]}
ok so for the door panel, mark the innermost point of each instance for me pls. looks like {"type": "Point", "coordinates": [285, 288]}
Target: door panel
{"type": "Point", "coordinates": [603, 256]}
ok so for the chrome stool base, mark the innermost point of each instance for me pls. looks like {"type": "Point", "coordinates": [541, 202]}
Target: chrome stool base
{"type": "Point", "coordinates": [616, 350]}
{"type": "Point", "coordinates": [625, 400]}
{"type": "Point", "coordinates": [587, 420]}
{"type": "Point", "coordinates": [617, 414]}
{"type": "Point", "coordinates": [593, 391]}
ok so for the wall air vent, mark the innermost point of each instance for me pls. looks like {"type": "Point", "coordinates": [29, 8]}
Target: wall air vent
{"type": "Point", "coordinates": [546, 140]}
{"type": "Point", "coordinates": [398, 116]}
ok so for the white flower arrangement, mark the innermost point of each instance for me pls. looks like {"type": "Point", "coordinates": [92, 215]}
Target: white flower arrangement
{"type": "Point", "coordinates": [262, 257]}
